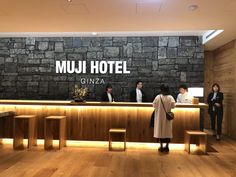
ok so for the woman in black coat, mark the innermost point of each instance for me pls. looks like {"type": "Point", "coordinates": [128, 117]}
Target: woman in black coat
{"type": "Point", "coordinates": [215, 109]}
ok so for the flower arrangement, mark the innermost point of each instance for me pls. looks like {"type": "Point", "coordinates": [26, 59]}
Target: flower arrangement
{"type": "Point", "coordinates": [79, 93]}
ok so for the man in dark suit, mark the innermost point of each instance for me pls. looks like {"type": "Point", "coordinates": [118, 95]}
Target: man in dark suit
{"type": "Point", "coordinates": [107, 96]}
{"type": "Point", "coordinates": [138, 95]}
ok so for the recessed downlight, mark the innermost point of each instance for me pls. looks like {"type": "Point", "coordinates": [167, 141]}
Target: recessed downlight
{"type": "Point", "coordinates": [193, 7]}
{"type": "Point", "coordinates": [69, 0]}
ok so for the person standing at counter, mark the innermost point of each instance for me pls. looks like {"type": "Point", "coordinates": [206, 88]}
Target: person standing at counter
{"type": "Point", "coordinates": [215, 109]}
{"type": "Point", "coordinates": [163, 103]}
{"type": "Point", "coordinates": [107, 96]}
{"type": "Point", "coordinates": [138, 95]}
{"type": "Point", "coordinates": [183, 96]}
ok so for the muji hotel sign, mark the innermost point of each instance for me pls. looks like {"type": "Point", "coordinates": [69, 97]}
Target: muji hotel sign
{"type": "Point", "coordinates": [96, 67]}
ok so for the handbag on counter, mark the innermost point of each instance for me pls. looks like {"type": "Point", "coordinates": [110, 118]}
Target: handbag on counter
{"type": "Point", "coordinates": [169, 115]}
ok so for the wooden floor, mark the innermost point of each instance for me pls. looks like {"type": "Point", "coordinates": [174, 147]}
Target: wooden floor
{"type": "Point", "coordinates": [98, 162]}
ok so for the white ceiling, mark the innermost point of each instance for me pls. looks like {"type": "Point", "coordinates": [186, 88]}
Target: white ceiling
{"type": "Point", "coordinates": [119, 17]}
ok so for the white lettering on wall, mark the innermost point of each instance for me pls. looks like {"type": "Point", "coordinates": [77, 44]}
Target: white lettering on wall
{"type": "Point", "coordinates": [60, 66]}
{"type": "Point", "coordinates": [81, 67]}
{"type": "Point", "coordinates": [125, 71]}
{"type": "Point", "coordinates": [96, 67]}
{"type": "Point", "coordinates": [111, 66]}
{"type": "Point", "coordinates": [103, 67]}
{"type": "Point", "coordinates": [118, 67]}
{"type": "Point", "coordinates": [70, 67]}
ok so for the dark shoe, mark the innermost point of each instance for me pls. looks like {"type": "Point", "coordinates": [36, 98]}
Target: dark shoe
{"type": "Point", "coordinates": [161, 149]}
{"type": "Point", "coordinates": [166, 149]}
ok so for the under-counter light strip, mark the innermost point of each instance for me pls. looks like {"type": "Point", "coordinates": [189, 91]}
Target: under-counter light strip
{"type": "Point", "coordinates": [104, 144]}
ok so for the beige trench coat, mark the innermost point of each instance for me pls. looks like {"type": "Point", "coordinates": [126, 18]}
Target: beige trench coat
{"type": "Point", "coordinates": [162, 126]}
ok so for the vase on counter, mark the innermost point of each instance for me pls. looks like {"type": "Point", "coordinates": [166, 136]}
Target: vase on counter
{"type": "Point", "coordinates": [79, 100]}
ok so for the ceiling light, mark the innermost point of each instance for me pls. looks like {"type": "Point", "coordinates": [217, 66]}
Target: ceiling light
{"type": "Point", "coordinates": [94, 33]}
{"type": "Point", "coordinates": [210, 35]}
{"type": "Point", "coordinates": [193, 7]}
{"type": "Point", "coordinates": [69, 0]}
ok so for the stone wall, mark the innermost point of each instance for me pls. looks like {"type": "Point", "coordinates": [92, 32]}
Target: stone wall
{"type": "Point", "coordinates": [27, 65]}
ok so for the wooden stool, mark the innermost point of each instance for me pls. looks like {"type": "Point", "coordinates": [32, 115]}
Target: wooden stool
{"type": "Point", "coordinates": [117, 131]}
{"type": "Point", "coordinates": [202, 136]}
{"type": "Point", "coordinates": [3, 115]}
{"type": "Point", "coordinates": [18, 131]}
{"type": "Point", "coordinates": [48, 131]}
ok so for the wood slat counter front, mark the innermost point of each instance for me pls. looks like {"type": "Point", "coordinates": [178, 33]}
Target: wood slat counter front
{"type": "Point", "coordinates": [92, 120]}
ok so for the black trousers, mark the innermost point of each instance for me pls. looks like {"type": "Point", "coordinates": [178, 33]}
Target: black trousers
{"type": "Point", "coordinates": [219, 117]}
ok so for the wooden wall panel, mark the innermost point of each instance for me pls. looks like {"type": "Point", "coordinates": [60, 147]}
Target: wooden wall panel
{"type": "Point", "coordinates": [220, 67]}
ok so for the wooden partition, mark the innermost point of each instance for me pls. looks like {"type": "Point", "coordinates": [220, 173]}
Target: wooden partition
{"type": "Point", "coordinates": [91, 121]}
{"type": "Point", "coordinates": [220, 67]}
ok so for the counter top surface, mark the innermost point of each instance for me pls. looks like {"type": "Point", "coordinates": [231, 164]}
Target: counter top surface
{"type": "Point", "coordinates": [70, 103]}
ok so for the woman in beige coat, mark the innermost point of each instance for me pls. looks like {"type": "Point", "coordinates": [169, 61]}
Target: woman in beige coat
{"type": "Point", "coordinates": [163, 126]}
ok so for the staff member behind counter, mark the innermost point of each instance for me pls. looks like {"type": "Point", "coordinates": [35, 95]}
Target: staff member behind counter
{"type": "Point", "coordinates": [183, 96]}
{"type": "Point", "coordinates": [107, 96]}
{"type": "Point", "coordinates": [138, 95]}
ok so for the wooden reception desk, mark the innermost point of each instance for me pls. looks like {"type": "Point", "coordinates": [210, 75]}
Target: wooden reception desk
{"type": "Point", "coordinates": [92, 120]}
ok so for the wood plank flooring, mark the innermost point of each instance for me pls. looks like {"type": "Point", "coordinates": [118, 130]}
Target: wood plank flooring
{"type": "Point", "coordinates": [99, 162]}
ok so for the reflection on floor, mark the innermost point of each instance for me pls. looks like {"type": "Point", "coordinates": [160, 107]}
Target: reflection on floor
{"type": "Point", "coordinates": [140, 160]}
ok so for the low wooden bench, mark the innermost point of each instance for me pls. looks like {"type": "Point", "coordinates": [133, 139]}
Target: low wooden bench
{"type": "Point", "coordinates": [18, 131]}
{"type": "Point", "coordinates": [116, 131]}
{"type": "Point", "coordinates": [48, 131]}
{"type": "Point", "coordinates": [202, 136]}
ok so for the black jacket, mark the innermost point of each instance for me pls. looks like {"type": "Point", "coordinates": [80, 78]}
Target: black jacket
{"type": "Point", "coordinates": [105, 97]}
{"type": "Point", "coordinates": [133, 96]}
{"type": "Point", "coordinates": [219, 99]}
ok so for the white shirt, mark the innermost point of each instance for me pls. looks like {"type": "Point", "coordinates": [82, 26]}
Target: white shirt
{"type": "Point", "coordinates": [139, 95]}
{"type": "Point", "coordinates": [184, 98]}
{"type": "Point", "coordinates": [214, 96]}
{"type": "Point", "coordinates": [109, 97]}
